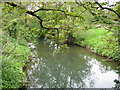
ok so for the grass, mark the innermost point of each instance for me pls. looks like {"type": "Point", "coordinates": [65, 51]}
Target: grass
{"type": "Point", "coordinates": [99, 40]}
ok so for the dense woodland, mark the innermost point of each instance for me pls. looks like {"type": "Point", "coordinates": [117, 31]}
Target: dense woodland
{"type": "Point", "coordinates": [93, 25]}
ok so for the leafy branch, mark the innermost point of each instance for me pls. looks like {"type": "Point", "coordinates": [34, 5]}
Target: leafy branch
{"type": "Point", "coordinates": [39, 18]}
{"type": "Point", "coordinates": [33, 14]}
{"type": "Point", "coordinates": [42, 9]}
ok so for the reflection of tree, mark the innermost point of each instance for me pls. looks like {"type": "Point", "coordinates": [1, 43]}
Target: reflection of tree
{"type": "Point", "coordinates": [119, 77]}
{"type": "Point", "coordinates": [68, 69]}
{"type": "Point", "coordinates": [103, 65]}
{"type": "Point", "coordinates": [117, 83]}
{"type": "Point", "coordinates": [107, 66]}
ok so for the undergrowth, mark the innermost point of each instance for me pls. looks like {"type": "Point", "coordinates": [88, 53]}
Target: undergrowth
{"type": "Point", "coordinates": [14, 56]}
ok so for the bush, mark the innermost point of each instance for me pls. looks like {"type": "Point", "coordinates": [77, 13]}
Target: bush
{"type": "Point", "coordinates": [12, 73]}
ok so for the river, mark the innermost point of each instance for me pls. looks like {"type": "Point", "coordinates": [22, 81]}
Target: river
{"type": "Point", "coordinates": [75, 67]}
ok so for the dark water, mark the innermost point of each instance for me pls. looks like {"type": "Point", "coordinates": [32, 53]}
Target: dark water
{"type": "Point", "coordinates": [75, 67]}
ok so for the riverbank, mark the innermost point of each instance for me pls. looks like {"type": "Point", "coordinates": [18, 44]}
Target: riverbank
{"type": "Point", "coordinates": [99, 41]}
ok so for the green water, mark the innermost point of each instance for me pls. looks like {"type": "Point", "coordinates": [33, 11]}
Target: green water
{"type": "Point", "coordinates": [75, 67]}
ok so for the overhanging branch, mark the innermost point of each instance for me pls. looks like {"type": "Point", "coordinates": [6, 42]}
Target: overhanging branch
{"type": "Point", "coordinates": [33, 14]}
{"type": "Point", "coordinates": [42, 9]}
{"type": "Point", "coordinates": [107, 8]}
{"type": "Point", "coordinates": [99, 6]}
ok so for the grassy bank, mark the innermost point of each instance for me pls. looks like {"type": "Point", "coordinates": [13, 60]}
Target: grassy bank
{"type": "Point", "coordinates": [100, 41]}
{"type": "Point", "coordinates": [14, 55]}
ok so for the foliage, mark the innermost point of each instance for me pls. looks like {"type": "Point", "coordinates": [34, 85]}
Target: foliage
{"type": "Point", "coordinates": [12, 67]}
{"type": "Point", "coordinates": [14, 56]}
{"type": "Point", "coordinates": [15, 51]}
{"type": "Point", "coordinates": [12, 73]}
{"type": "Point", "coordinates": [17, 25]}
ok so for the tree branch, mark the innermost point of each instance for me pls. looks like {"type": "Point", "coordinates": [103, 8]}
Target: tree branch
{"type": "Point", "coordinates": [33, 14]}
{"type": "Point", "coordinates": [42, 9]}
{"type": "Point", "coordinates": [40, 20]}
{"type": "Point", "coordinates": [107, 8]}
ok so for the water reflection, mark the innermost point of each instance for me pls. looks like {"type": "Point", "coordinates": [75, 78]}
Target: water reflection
{"type": "Point", "coordinates": [75, 68]}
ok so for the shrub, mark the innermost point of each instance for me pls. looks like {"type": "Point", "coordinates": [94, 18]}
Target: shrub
{"type": "Point", "coordinates": [12, 73]}
{"type": "Point", "coordinates": [13, 60]}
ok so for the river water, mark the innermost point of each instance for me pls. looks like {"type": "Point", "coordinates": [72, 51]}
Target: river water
{"type": "Point", "coordinates": [75, 67]}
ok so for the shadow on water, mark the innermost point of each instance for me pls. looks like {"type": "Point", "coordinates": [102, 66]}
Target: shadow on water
{"type": "Point", "coordinates": [74, 68]}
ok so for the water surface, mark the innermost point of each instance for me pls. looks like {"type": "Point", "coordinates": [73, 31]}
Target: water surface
{"type": "Point", "coordinates": [75, 67]}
